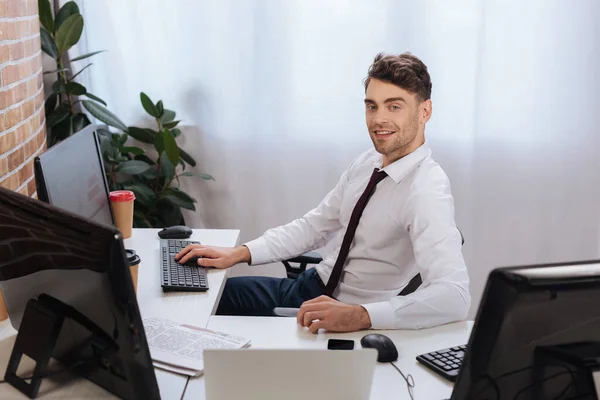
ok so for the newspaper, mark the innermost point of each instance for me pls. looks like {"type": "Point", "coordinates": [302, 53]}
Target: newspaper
{"type": "Point", "coordinates": [179, 347]}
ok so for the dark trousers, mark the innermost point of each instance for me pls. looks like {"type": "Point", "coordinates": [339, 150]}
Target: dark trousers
{"type": "Point", "coordinates": [258, 295]}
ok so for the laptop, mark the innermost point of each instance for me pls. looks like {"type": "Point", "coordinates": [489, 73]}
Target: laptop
{"type": "Point", "coordinates": [291, 374]}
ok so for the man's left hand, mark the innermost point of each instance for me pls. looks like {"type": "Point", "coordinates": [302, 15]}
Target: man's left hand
{"type": "Point", "coordinates": [324, 312]}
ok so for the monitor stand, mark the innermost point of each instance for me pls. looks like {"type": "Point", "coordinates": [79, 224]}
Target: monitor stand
{"type": "Point", "coordinates": [38, 335]}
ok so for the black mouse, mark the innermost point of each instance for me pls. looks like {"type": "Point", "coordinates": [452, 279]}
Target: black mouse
{"type": "Point", "coordinates": [175, 232]}
{"type": "Point", "coordinates": [386, 350]}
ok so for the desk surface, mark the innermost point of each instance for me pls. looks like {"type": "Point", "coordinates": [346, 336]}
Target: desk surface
{"type": "Point", "coordinates": [194, 308]}
{"type": "Point", "coordinates": [268, 332]}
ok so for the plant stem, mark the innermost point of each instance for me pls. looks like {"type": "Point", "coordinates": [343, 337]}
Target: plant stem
{"type": "Point", "coordinates": [63, 75]}
{"type": "Point", "coordinates": [113, 174]}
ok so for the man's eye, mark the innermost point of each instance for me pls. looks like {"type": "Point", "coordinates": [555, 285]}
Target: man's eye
{"type": "Point", "coordinates": [370, 107]}
{"type": "Point", "coordinates": [395, 108]}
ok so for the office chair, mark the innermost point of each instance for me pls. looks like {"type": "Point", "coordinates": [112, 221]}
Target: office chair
{"type": "Point", "coordinates": [302, 261]}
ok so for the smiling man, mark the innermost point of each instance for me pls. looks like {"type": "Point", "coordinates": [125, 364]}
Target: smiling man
{"type": "Point", "coordinates": [390, 220]}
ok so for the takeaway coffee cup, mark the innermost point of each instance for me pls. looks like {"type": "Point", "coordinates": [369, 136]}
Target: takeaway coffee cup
{"type": "Point", "coordinates": [134, 261]}
{"type": "Point", "coordinates": [3, 311]}
{"type": "Point", "coordinates": [121, 202]}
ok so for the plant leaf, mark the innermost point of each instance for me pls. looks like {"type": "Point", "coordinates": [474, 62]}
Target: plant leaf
{"type": "Point", "coordinates": [136, 151]}
{"type": "Point", "coordinates": [48, 43]}
{"type": "Point", "coordinates": [69, 33]}
{"type": "Point", "coordinates": [133, 167]}
{"type": "Point", "coordinates": [187, 158]}
{"type": "Point", "coordinates": [140, 134]}
{"type": "Point", "coordinates": [94, 97]}
{"type": "Point", "coordinates": [176, 132]}
{"type": "Point", "coordinates": [159, 143]}
{"type": "Point", "coordinates": [50, 104]}
{"type": "Point", "coordinates": [75, 88]}
{"type": "Point", "coordinates": [65, 12]}
{"type": "Point", "coordinates": [46, 18]}
{"type": "Point", "coordinates": [148, 105]}
{"type": "Point", "coordinates": [167, 116]}
{"type": "Point", "coordinates": [84, 56]}
{"type": "Point", "coordinates": [57, 116]}
{"type": "Point", "coordinates": [80, 71]}
{"type": "Point", "coordinates": [103, 114]}
{"type": "Point", "coordinates": [143, 193]}
{"type": "Point", "coordinates": [170, 125]}
{"type": "Point", "coordinates": [206, 177]}
{"type": "Point", "coordinates": [179, 198]}
{"type": "Point", "coordinates": [167, 168]}
{"type": "Point", "coordinates": [58, 87]}
{"type": "Point", "coordinates": [160, 108]}
{"type": "Point", "coordinates": [80, 121]}
{"type": "Point", "coordinates": [62, 130]}
{"type": "Point", "coordinates": [145, 158]}
{"type": "Point", "coordinates": [171, 147]}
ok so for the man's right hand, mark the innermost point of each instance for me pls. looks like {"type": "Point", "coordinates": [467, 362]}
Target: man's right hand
{"type": "Point", "coordinates": [212, 256]}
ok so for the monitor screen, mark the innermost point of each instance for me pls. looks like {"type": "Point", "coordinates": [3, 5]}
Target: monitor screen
{"type": "Point", "coordinates": [70, 175]}
{"type": "Point", "coordinates": [50, 254]}
{"type": "Point", "coordinates": [523, 312]}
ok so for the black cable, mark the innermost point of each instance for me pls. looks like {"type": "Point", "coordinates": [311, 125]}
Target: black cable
{"type": "Point", "coordinates": [509, 373]}
{"type": "Point", "coordinates": [410, 382]}
{"type": "Point", "coordinates": [538, 382]}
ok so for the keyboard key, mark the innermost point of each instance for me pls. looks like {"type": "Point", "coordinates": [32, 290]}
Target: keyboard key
{"type": "Point", "coordinates": [444, 351]}
{"type": "Point", "coordinates": [429, 357]}
{"type": "Point", "coordinates": [447, 368]}
{"type": "Point", "coordinates": [439, 363]}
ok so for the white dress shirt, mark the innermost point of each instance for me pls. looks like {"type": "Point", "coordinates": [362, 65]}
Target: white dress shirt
{"type": "Point", "coordinates": [406, 228]}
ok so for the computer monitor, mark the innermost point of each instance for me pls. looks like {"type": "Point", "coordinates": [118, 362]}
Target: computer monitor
{"type": "Point", "coordinates": [70, 175]}
{"type": "Point", "coordinates": [525, 311]}
{"type": "Point", "coordinates": [72, 267]}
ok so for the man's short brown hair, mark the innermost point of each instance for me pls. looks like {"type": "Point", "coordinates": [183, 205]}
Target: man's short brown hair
{"type": "Point", "coordinates": [404, 70]}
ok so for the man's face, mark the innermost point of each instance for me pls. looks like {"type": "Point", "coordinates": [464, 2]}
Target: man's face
{"type": "Point", "coordinates": [395, 119]}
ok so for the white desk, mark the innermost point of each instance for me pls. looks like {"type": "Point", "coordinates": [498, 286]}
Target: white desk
{"type": "Point", "coordinates": [194, 308]}
{"type": "Point", "coordinates": [387, 383]}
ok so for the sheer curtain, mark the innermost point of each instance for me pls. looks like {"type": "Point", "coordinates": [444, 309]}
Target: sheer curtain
{"type": "Point", "coordinates": [271, 92]}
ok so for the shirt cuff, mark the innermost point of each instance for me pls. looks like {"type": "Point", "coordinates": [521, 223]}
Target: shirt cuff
{"type": "Point", "coordinates": [382, 315]}
{"type": "Point", "coordinates": [259, 251]}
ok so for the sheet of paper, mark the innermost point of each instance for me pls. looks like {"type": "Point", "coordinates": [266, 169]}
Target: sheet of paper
{"type": "Point", "coordinates": [181, 345]}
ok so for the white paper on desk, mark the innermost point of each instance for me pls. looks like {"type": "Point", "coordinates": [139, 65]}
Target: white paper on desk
{"type": "Point", "coordinates": [181, 345]}
{"type": "Point", "coordinates": [177, 370]}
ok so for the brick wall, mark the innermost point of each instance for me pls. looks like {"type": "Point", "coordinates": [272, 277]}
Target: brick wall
{"type": "Point", "coordinates": [22, 129]}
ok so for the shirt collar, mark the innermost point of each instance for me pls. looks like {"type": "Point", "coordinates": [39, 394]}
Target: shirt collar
{"type": "Point", "coordinates": [400, 168]}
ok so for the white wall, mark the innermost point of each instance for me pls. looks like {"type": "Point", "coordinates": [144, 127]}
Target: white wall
{"type": "Point", "coordinates": [271, 95]}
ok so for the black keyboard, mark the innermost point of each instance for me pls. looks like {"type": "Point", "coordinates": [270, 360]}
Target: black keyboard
{"type": "Point", "coordinates": [445, 362]}
{"type": "Point", "coordinates": [175, 277]}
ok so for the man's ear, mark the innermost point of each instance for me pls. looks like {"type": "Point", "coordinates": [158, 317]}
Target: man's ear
{"type": "Point", "coordinates": [425, 110]}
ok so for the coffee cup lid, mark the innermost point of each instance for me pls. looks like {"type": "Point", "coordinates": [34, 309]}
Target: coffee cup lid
{"type": "Point", "coordinates": [121, 195]}
{"type": "Point", "coordinates": [132, 257]}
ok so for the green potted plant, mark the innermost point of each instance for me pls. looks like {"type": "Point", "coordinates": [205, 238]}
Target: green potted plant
{"type": "Point", "coordinates": [58, 33]}
{"type": "Point", "coordinates": [154, 176]}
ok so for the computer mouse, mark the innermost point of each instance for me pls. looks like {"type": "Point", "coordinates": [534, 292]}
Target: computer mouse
{"type": "Point", "coordinates": [386, 350]}
{"type": "Point", "coordinates": [175, 232]}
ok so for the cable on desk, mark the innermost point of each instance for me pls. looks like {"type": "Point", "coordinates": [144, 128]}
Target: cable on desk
{"type": "Point", "coordinates": [410, 382]}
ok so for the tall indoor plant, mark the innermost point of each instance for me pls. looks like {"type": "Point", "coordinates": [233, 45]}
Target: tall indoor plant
{"type": "Point", "coordinates": [58, 34]}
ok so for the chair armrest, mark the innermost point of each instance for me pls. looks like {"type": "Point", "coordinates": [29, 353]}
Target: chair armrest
{"type": "Point", "coordinates": [307, 258]}
{"type": "Point", "coordinates": [303, 260]}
